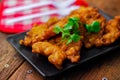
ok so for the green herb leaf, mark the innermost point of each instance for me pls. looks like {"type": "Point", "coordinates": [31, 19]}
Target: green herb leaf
{"type": "Point", "coordinates": [76, 24]}
{"type": "Point", "coordinates": [58, 29]}
{"type": "Point", "coordinates": [65, 35]}
{"type": "Point", "coordinates": [95, 26]}
{"type": "Point", "coordinates": [76, 28]}
{"type": "Point", "coordinates": [70, 31]}
{"type": "Point", "coordinates": [74, 19]}
{"type": "Point", "coordinates": [75, 37]}
{"type": "Point", "coordinates": [88, 27]}
{"type": "Point", "coordinates": [69, 41]}
{"type": "Point", "coordinates": [68, 26]}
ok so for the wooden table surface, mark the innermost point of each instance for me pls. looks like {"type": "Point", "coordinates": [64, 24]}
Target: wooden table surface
{"type": "Point", "coordinates": [14, 67]}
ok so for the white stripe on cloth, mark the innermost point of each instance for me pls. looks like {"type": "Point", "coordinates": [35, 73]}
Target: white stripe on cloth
{"type": "Point", "coordinates": [10, 3]}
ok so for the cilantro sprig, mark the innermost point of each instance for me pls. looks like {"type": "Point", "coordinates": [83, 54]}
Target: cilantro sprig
{"type": "Point", "coordinates": [94, 27]}
{"type": "Point", "coordinates": [70, 31]}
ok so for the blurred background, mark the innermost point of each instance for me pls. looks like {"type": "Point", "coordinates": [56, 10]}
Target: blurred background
{"type": "Point", "coordinates": [20, 15]}
{"type": "Point", "coordinates": [111, 7]}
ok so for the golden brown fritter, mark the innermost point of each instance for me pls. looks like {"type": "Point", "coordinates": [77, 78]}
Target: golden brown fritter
{"type": "Point", "coordinates": [49, 32]}
{"type": "Point", "coordinates": [111, 32]}
{"type": "Point", "coordinates": [71, 50]}
{"type": "Point", "coordinates": [35, 34]}
{"type": "Point", "coordinates": [45, 41]}
{"type": "Point", "coordinates": [57, 51]}
{"type": "Point", "coordinates": [87, 16]}
{"type": "Point", "coordinates": [34, 38]}
{"type": "Point", "coordinates": [55, 55]}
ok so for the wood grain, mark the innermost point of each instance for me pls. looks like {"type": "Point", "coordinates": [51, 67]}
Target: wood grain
{"type": "Point", "coordinates": [23, 73]}
{"type": "Point", "coordinates": [10, 60]}
{"type": "Point", "coordinates": [107, 66]}
{"type": "Point", "coordinates": [111, 7]}
{"type": "Point", "coordinates": [14, 67]}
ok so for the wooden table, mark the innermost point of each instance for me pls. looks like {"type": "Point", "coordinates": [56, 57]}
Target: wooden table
{"type": "Point", "coordinates": [14, 67]}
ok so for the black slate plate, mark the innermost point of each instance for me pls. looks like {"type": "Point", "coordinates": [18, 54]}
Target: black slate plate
{"type": "Point", "coordinates": [41, 64]}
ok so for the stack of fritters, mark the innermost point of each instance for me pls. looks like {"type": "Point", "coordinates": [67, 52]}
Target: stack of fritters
{"type": "Point", "coordinates": [45, 41]}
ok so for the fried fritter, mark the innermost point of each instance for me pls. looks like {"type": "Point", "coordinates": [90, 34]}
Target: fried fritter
{"type": "Point", "coordinates": [50, 33]}
{"type": "Point", "coordinates": [111, 32]}
{"type": "Point", "coordinates": [35, 34]}
{"type": "Point", "coordinates": [87, 16]}
{"type": "Point", "coordinates": [55, 55]}
{"type": "Point", "coordinates": [45, 41]}
{"type": "Point", "coordinates": [57, 51]}
{"type": "Point", "coordinates": [71, 50]}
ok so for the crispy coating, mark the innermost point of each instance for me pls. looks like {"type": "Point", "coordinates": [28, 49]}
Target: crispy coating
{"type": "Point", "coordinates": [111, 32]}
{"type": "Point", "coordinates": [88, 15]}
{"type": "Point", "coordinates": [55, 55]}
{"type": "Point", "coordinates": [44, 41]}
{"type": "Point", "coordinates": [35, 34]}
{"type": "Point", "coordinates": [49, 32]}
{"type": "Point", "coordinates": [57, 51]}
{"type": "Point", "coordinates": [71, 50]}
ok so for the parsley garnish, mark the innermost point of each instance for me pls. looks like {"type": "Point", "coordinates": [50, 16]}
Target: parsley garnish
{"type": "Point", "coordinates": [94, 27]}
{"type": "Point", "coordinates": [70, 31]}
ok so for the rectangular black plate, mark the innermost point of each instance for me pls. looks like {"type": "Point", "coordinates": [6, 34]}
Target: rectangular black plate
{"type": "Point", "coordinates": [41, 64]}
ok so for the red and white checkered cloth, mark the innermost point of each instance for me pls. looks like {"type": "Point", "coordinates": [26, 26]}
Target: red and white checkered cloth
{"type": "Point", "coordinates": [26, 24]}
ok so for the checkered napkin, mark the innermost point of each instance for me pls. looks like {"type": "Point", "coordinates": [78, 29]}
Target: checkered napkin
{"type": "Point", "coordinates": [26, 24]}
